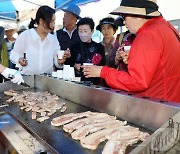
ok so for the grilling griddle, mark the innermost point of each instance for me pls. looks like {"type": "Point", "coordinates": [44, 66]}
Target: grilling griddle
{"type": "Point", "coordinates": [54, 136]}
{"type": "Point", "coordinates": [81, 98]}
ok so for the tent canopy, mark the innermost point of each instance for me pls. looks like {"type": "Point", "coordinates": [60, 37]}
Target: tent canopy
{"type": "Point", "coordinates": [21, 10]}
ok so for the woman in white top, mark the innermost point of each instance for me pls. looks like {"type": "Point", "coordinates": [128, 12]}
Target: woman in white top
{"type": "Point", "coordinates": [38, 44]}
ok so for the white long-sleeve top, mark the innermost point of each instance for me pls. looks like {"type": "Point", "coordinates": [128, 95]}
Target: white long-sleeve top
{"type": "Point", "coordinates": [40, 55]}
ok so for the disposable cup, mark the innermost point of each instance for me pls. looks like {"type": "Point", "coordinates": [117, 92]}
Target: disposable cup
{"type": "Point", "coordinates": [59, 74]}
{"type": "Point", "coordinates": [127, 48]}
{"type": "Point", "coordinates": [54, 74]}
{"type": "Point", "coordinates": [60, 54]}
{"type": "Point", "coordinates": [88, 64]}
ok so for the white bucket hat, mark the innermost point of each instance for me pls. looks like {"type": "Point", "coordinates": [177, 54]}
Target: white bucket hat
{"type": "Point", "coordinates": [8, 27]}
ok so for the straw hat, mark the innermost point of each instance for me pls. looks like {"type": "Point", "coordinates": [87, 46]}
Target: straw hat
{"type": "Point", "coordinates": [108, 20]}
{"type": "Point", "coordinates": [147, 8]}
{"type": "Point", "coordinates": [74, 9]}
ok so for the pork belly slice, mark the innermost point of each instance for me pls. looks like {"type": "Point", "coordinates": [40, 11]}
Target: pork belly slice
{"type": "Point", "coordinates": [91, 128]}
{"type": "Point", "coordinates": [92, 141]}
{"type": "Point", "coordinates": [143, 136]}
{"type": "Point", "coordinates": [51, 112]}
{"type": "Point", "coordinates": [58, 105]}
{"type": "Point", "coordinates": [120, 140]}
{"type": "Point", "coordinates": [114, 147]}
{"type": "Point", "coordinates": [127, 133]}
{"type": "Point", "coordinates": [24, 107]}
{"type": "Point", "coordinates": [33, 115]}
{"type": "Point", "coordinates": [58, 121]}
{"type": "Point", "coordinates": [61, 120]}
{"type": "Point", "coordinates": [119, 146]}
{"type": "Point", "coordinates": [41, 119]}
{"type": "Point", "coordinates": [43, 114]}
{"type": "Point", "coordinates": [11, 92]}
{"type": "Point", "coordinates": [124, 133]}
{"type": "Point", "coordinates": [63, 109]}
{"type": "Point", "coordinates": [84, 121]}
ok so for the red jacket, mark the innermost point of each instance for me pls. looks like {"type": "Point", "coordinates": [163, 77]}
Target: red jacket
{"type": "Point", "coordinates": [154, 63]}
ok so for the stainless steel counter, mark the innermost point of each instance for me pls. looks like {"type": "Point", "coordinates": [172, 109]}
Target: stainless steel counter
{"type": "Point", "coordinates": [148, 114]}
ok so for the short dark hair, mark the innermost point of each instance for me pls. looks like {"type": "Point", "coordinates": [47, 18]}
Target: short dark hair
{"type": "Point", "coordinates": [86, 21]}
{"type": "Point", "coordinates": [44, 12]}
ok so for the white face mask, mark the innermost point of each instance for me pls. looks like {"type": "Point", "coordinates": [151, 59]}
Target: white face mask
{"type": "Point", "coordinates": [85, 37]}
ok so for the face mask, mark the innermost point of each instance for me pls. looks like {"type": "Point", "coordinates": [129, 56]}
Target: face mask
{"type": "Point", "coordinates": [85, 37]}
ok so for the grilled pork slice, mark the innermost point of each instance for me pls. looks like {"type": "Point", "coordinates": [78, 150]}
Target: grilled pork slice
{"type": "Point", "coordinates": [120, 140]}
{"type": "Point", "coordinates": [92, 141]}
{"type": "Point", "coordinates": [33, 115]}
{"type": "Point", "coordinates": [42, 119]}
{"type": "Point", "coordinates": [119, 146]}
{"type": "Point", "coordinates": [80, 133]}
{"type": "Point", "coordinates": [124, 133]}
{"type": "Point", "coordinates": [84, 121]}
{"type": "Point", "coordinates": [42, 103]}
{"type": "Point", "coordinates": [61, 120]}
{"type": "Point", "coordinates": [63, 109]}
{"type": "Point", "coordinates": [114, 147]}
{"type": "Point", "coordinates": [10, 92]}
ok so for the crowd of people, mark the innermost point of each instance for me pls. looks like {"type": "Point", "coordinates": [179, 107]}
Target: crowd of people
{"type": "Point", "coordinates": [145, 59]}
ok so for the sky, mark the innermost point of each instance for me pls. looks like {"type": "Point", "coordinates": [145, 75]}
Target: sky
{"type": "Point", "coordinates": [170, 9]}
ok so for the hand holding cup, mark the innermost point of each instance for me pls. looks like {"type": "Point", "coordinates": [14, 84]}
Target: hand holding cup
{"type": "Point", "coordinates": [125, 54]}
{"type": "Point", "coordinates": [22, 61]}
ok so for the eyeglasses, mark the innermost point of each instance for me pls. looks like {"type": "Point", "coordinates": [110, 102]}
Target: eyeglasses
{"type": "Point", "coordinates": [123, 17]}
{"type": "Point", "coordinates": [128, 15]}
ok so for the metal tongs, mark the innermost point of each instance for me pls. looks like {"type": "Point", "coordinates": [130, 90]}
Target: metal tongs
{"type": "Point", "coordinates": [4, 105]}
{"type": "Point", "coordinates": [22, 83]}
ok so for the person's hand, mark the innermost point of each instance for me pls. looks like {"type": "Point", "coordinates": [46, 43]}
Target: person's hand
{"type": "Point", "coordinates": [92, 71]}
{"type": "Point", "coordinates": [22, 62]}
{"type": "Point", "coordinates": [125, 56]}
{"type": "Point", "coordinates": [61, 61]}
{"type": "Point", "coordinates": [67, 53]}
{"type": "Point", "coordinates": [118, 55]}
{"type": "Point", "coordinates": [77, 66]}
{"type": "Point", "coordinates": [16, 76]}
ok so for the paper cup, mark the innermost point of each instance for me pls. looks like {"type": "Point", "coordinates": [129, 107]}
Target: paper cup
{"type": "Point", "coordinates": [127, 48]}
{"type": "Point", "coordinates": [88, 64]}
{"type": "Point", "coordinates": [59, 74]}
{"type": "Point", "coordinates": [60, 54]}
{"type": "Point", "coordinates": [54, 74]}
{"type": "Point", "coordinates": [66, 70]}
{"type": "Point", "coordinates": [71, 74]}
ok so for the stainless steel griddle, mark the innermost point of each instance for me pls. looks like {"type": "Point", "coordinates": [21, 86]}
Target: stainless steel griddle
{"type": "Point", "coordinates": [146, 113]}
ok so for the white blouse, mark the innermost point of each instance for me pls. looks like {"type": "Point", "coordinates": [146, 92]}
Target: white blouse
{"type": "Point", "coordinates": [40, 55]}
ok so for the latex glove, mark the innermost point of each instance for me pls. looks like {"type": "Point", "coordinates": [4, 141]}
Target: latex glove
{"type": "Point", "coordinates": [17, 77]}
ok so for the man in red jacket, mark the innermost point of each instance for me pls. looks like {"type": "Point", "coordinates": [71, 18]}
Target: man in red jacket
{"type": "Point", "coordinates": [154, 57]}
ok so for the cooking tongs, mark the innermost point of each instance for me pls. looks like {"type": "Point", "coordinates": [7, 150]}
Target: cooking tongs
{"type": "Point", "coordinates": [22, 83]}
